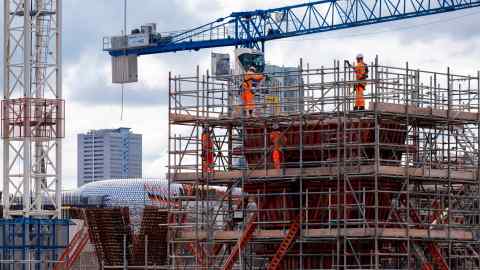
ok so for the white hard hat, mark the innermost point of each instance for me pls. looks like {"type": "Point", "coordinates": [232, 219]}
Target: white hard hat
{"type": "Point", "coordinates": [275, 125]}
{"type": "Point", "coordinates": [252, 68]}
{"type": "Point", "coordinates": [359, 56]}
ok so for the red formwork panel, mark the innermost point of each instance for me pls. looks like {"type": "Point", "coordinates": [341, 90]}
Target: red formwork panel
{"type": "Point", "coordinates": [323, 140]}
{"type": "Point", "coordinates": [326, 204]}
{"type": "Point", "coordinates": [322, 255]}
{"type": "Point", "coordinates": [292, 261]}
{"type": "Point", "coordinates": [33, 118]}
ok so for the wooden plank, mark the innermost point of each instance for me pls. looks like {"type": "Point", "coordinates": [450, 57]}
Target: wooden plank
{"type": "Point", "coordinates": [428, 172]}
{"type": "Point", "coordinates": [422, 112]}
{"type": "Point", "coordinates": [437, 234]}
{"type": "Point", "coordinates": [382, 107]}
{"type": "Point", "coordinates": [422, 172]}
{"type": "Point", "coordinates": [183, 117]}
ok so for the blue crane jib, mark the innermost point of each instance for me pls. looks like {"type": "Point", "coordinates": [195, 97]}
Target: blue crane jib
{"type": "Point", "coordinates": [251, 29]}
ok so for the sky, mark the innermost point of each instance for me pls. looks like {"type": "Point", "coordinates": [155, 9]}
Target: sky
{"type": "Point", "coordinates": [93, 102]}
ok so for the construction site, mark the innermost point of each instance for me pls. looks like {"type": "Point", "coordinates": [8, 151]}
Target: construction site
{"type": "Point", "coordinates": [393, 186]}
{"type": "Point", "coordinates": [348, 166]}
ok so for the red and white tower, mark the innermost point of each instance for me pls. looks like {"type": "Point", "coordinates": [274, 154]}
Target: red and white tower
{"type": "Point", "coordinates": [32, 109]}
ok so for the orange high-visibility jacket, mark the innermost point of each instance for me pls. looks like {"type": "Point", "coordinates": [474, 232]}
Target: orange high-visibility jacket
{"type": "Point", "coordinates": [277, 139]}
{"type": "Point", "coordinates": [207, 142]}
{"type": "Point", "coordinates": [249, 78]}
{"type": "Point", "coordinates": [361, 71]}
{"type": "Point", "coordinates": [247, 86]}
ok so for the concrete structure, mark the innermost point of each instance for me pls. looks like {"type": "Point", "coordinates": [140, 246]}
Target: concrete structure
{"type": "Point", "coordinates": [109, 153]}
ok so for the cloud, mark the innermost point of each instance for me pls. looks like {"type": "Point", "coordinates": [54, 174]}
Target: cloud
{"type": "Point", "coordinates": [88, 81]}
{"type": "Point", "coordinates": [93, 102]}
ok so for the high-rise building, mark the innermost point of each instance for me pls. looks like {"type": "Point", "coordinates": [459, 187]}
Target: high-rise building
{"type": "Point", "coordinates": [109, 153]}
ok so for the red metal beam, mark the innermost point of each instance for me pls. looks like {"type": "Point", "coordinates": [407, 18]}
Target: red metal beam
{"type": "Point", "coordinates": [242, 242]}
{"type": "Point", "coordinates": [285, 245]}
{"type": "Point", "coordinates": [72, 252]}
{"type": "Point", "coordinates": [77, 251]}
{"type": "Point", "coordinates": [438, 259]}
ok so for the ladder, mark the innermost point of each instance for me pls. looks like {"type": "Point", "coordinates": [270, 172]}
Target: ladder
{"type": "Point", "coordinates": [285, 245]}
{"type": "Point", "coordinates": [72, 252]}
{"type": "Point", "coordinates": [241, 243]}
{"type": "Point", "coordinates": [43, 28]}
{"type": "Point", "coordinates": [462, 136]}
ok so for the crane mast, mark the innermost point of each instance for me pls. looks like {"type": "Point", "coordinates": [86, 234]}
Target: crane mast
{"type": "Point", "coordinates": [32, 109]}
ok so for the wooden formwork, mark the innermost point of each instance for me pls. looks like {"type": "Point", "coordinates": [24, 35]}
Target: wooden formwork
{"type": "Point", "coordinates": [111, 235]}
{"type": "Point", "coordinates": [150, 246]}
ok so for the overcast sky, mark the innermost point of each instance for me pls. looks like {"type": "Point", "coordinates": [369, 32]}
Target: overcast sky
{"type": "Point", "coordinates": [92, 102]}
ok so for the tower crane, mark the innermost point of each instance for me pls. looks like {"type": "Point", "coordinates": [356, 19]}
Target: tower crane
{"type": "Point", "coordinates": [251, 29]}
{"type": "Point", "coordinates": [248, 32]}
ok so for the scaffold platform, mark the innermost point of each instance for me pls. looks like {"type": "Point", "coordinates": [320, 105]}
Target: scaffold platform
{"type": "Point", "coordinates": [394, 186]}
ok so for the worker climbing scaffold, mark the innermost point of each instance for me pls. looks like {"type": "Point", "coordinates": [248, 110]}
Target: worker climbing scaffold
{"type": "Point", "coordinates": [207, 151]}
{"type": "Point", "coordinates": [361, 74]}
{"type": "Point", "coordinates": [250, 79]}
{"type": "Point", "coordinates": [278, 140]}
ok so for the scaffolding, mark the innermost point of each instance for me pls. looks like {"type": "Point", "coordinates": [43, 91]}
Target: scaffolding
{"type": "Point", "coordinates": [394, 186]}
{"type": "Point", "coordinates": [32, 243]}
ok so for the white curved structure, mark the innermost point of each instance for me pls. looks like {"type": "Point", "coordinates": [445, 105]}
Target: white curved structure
{"type": "Point", "coordinates": [132, 192]}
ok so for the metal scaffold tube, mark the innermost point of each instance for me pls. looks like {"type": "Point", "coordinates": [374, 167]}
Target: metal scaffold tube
{"type": "Point", "coordinates": [392, 186]}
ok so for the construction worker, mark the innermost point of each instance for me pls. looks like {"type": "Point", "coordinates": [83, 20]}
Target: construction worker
{"type": "Point", "coordinates": [361, 73]}
{"type": "Point", "coordinates": [250, 79]}
{"type": "Point", "coordinates": [207, 151]}
{"type": "Point", "coordinates": [278, 140]}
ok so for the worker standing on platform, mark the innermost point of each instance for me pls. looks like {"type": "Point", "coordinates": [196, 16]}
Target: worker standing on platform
{"type": "Point", "coordinates": [361, 73]}
{"type": "Point", "coordinates": [207, 151]}
{"type": "Point", "coordinates": [278, 140]}
{"type": "Point", "coordinates": [251, 78]}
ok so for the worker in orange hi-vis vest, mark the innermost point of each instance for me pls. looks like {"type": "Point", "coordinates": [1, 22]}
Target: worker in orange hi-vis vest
{"type": "Point", "coordinates": [361, 73]}
{"type": "Point", "coordinates": [278, 140]}
{"type": "Point", "coordinates": [251, 77]}
{"type": "Point", "coordinates": [207, 151]}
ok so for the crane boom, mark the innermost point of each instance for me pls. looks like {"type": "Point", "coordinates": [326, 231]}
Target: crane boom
{"type": "Point", "coordinates": [252, 29]}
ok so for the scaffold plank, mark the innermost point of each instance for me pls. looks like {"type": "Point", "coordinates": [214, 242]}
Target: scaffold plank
{"type": "Point", "coordinates": [421, 172]}
{"type": "Point", "coordinates": [415, 111]}
{"type": "Point", "coordinates": [434, 234]}
{"type": "Point", "coordinates": [183, 117]}
{"type": "Point", "coordinates": [380, 107]}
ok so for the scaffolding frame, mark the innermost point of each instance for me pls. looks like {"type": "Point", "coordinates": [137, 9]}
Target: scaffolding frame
{"type": "Point", "coordinates": [395, 186]}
